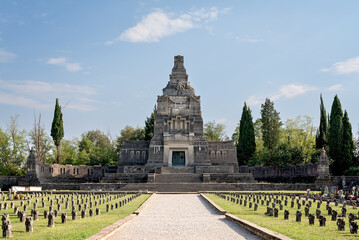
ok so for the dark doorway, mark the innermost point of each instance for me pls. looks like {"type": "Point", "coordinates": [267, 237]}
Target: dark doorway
{"type": "Point", "coordinates": [178, 158]}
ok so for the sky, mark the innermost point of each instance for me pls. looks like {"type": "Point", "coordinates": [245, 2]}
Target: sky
{"type": "Point", "coordinates": [107, 61]}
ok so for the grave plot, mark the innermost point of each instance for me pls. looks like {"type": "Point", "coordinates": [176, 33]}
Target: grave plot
{"type": "Point", "coordinates": [72, 215]}
{"type": "Point", "coordinates": [293, 215]}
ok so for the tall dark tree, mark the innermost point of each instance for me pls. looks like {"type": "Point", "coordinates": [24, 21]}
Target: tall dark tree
{"type": "Point", "coordinates": [150, 124]}
{"type": "Point", "coordinates": [246, 142]}
{"type": "Point", "coordinates": [335, 137]}
{"type": "Point", "coordinates": [57, 129]}
{"type": "Point", "coordinates": [348, 143]}
{"type": "Point", "coordinates": [322, 133]}
{"type": "Point", "coordinates": [270, 125]}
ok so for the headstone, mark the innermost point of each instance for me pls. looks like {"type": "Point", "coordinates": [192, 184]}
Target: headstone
{"type": "Point", "coordinates": [29, 224]}
{"type": "Point", "coordinates": [353, 226]}
{"type": "Point", "coordinates": [311, 218]}
{"type": "Point", "coordinates": [91, 212]}
{"type": "Point", "coordinates": [35, 214]}
{"type": "Point", "coordinates": [98, 211]}
{"type": "Point", "coordinates": [286, 215]}
{"type": "Point", "coordinates": [46, 214]}
{"type": "Point", "coordinates": [334, 215]}
{"type": "Point", "coordinates": [16, 209]}
{"type": "Point", "coordinates": [344, 212]}
{"type": "Point", "coordinates": [322, 221]}
{"type": "Point", "coordinates": [341, 224]}
{"type": "Point", "coordinates": [318, 212]}
{"type": "Point", "coordinates": [275, 212]}
{"type": "Point", "coordinates": [83, 213]}
{"type": "Point", "coordinates": [298, 216]}
{"type": "Point", "coordinates": [51, 220]}
{"type": "Point", "coordinates": [74, 215]}
{"type": "Point", "coordinates": [6, 229]}
{"type": "Point", "coordinates": [255, 207]}
{"type": "Point", "coordinates": [63, 217]}
{"type": "Point", "coordinates": [351, 217]}
{"type": "Point", "coordinates": [22, 215]}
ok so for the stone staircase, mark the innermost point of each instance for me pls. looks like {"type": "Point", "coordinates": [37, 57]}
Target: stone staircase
{"type": "Point", "coordinates": [168, 170]}
{"type": "Point", "coordinates": [178, 178]}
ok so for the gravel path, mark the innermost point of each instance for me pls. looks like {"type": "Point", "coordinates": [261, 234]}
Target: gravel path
{"type": "Point", "coordinates": [180, 216]}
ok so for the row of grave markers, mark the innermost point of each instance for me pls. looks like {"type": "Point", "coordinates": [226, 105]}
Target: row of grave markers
{"type": "Point", "coordinates": [52, 213]}
{"type": "Point", "coordinates": [274, 200]}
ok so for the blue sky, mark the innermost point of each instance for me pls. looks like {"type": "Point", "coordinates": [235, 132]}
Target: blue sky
{"type": "Point", "coordinates": [107, 61]}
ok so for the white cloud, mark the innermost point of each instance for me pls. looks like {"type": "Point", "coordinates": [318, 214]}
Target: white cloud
{"type": "Point", "coordinates": [336, 87]}
{"type": "Point", "coordinates": [160, 24]}
{"type": "Point", "coordinates": [61, 61]}
{"type": "Point", "coordinates": [284, 92]}
{"type": "Point", "coordinates": [6, 56]}
{"type": "Point", "coordinates": [349, 66]}
{"type": "Point", "coordinates": [41, 95]}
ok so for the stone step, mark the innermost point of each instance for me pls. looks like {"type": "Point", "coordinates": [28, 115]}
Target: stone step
{"type": "Point", "coordinates": [166, 170]}
{"type": "Point", "coordinates": [178, 178]}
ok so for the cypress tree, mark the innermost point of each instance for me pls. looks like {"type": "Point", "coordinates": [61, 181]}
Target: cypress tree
{"type": "Point", "coordinates": [270, 124]}
{"type": "Point", "coordinates": [246, 142]}
{"type": "Point", "coordinates": [322, 133]}
{"type": "Point", "coordinates": [335, 136]}
{"type": "Point", "coordinates": [150, 124]}
{"type": "Point", "coordinates": [57, 129]}
{"type": "Point", "coordinates": [348, 143]}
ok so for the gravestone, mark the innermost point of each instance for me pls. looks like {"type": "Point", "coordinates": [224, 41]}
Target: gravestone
{"type": "Point", "coordinates": [83, 213]}
{"type": "Point", "coordinates": [46, 214]}
{"type": "Point", "coordinates": [344, 212]}
{"type": "Point", "coordinates": [35, 214]}
{"type": "Point", "coordinates": [275, 212]}
{"type": "Point", "coordinates": [98, 211]}
{"type": "Point", "coordinates": [74, 215]}
{"type": "Point", "coordinates": [351, 217]}
{"type": "Point", "coordinates": [255, 207]}
{"type": "Point", "coordinates": [318, 212]}
{"type": "Point", "coordinates": [353, 226]}
{"type": "Point", "coordinates": [22, 216]}
{"type": "Point", "coordinates": [341, 224]}
{"type": "Point", "coordinates": [91, 212]}
{"type": "Point", "coordinates": [334, 215]}
{"type": "Point", "coordinates": [51, 220]}
{"type": "Point", "coordinates": [298, 216]}
{"type": "Point", "coordinates": [322, 221]}
{"type": "Point", "coordinates": [63, 217]}
{"type": "Point", "coordinates": [6, 229]}
{"type": "Point", "coordinates": [286, 215]}
{"type": "Point", "coordinates": [29, 224]}
{"type": "Point", "coordinates": [311, 218]}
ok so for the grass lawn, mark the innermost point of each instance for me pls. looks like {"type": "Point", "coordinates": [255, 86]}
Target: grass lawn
{"type": "Point", "coordinates": [291, 228]}
{"type": "Point", "coordinates": [80, 228]}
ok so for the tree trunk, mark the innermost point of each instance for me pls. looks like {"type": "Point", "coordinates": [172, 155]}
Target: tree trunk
{"type": "Point", "coordinates": [58, 154]}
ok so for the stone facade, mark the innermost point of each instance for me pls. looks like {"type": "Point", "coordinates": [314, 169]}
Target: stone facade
{"type": "Point", "coordinates": [178, 133]}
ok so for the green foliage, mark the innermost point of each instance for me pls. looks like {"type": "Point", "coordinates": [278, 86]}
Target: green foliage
{"type": "Point", "coordinates": [129, 133]}
{"type": "Point", "coordinates": [214, 131]}
{"type": "Point", "coordinates": [335, 137]}
{"type": "Point", "coordinates": [352, 171]}
{"type": "Point", "coordinates": [348, 143]}
{"type": "Point", "coordinates": [96, 148]}
{"type": "Point", "coordinates": [246, 142]}
{"type": "Point", "coordinates": [270, 124]}
{"type": "Point", "coordinates": [296, 144]}
{"type": "Point", "coordinates": [322, 133]}
{"type": "Point", "coordinates": [57, 129]}
{"type": "Point", "coordinates": [150, 124]}
{"type": "Point", "coordinates": [13, 149]}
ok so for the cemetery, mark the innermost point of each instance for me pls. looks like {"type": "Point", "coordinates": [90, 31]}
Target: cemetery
{"type": "Point", "coordinates": [63, 215]}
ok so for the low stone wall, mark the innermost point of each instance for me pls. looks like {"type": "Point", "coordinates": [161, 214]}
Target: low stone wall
{"type": "Point", "coordinates": [214, 169]}
{"type": "Point", "coordinates": [231, 178]}
{"type": "Point", "coordinates": [8, 181]}
{"type": "Point", "coordinates": [297, 173]}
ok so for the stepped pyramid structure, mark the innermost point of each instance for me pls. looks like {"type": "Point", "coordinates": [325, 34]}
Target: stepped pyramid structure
{"type": "Point", "coordinates": [178, 144]}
